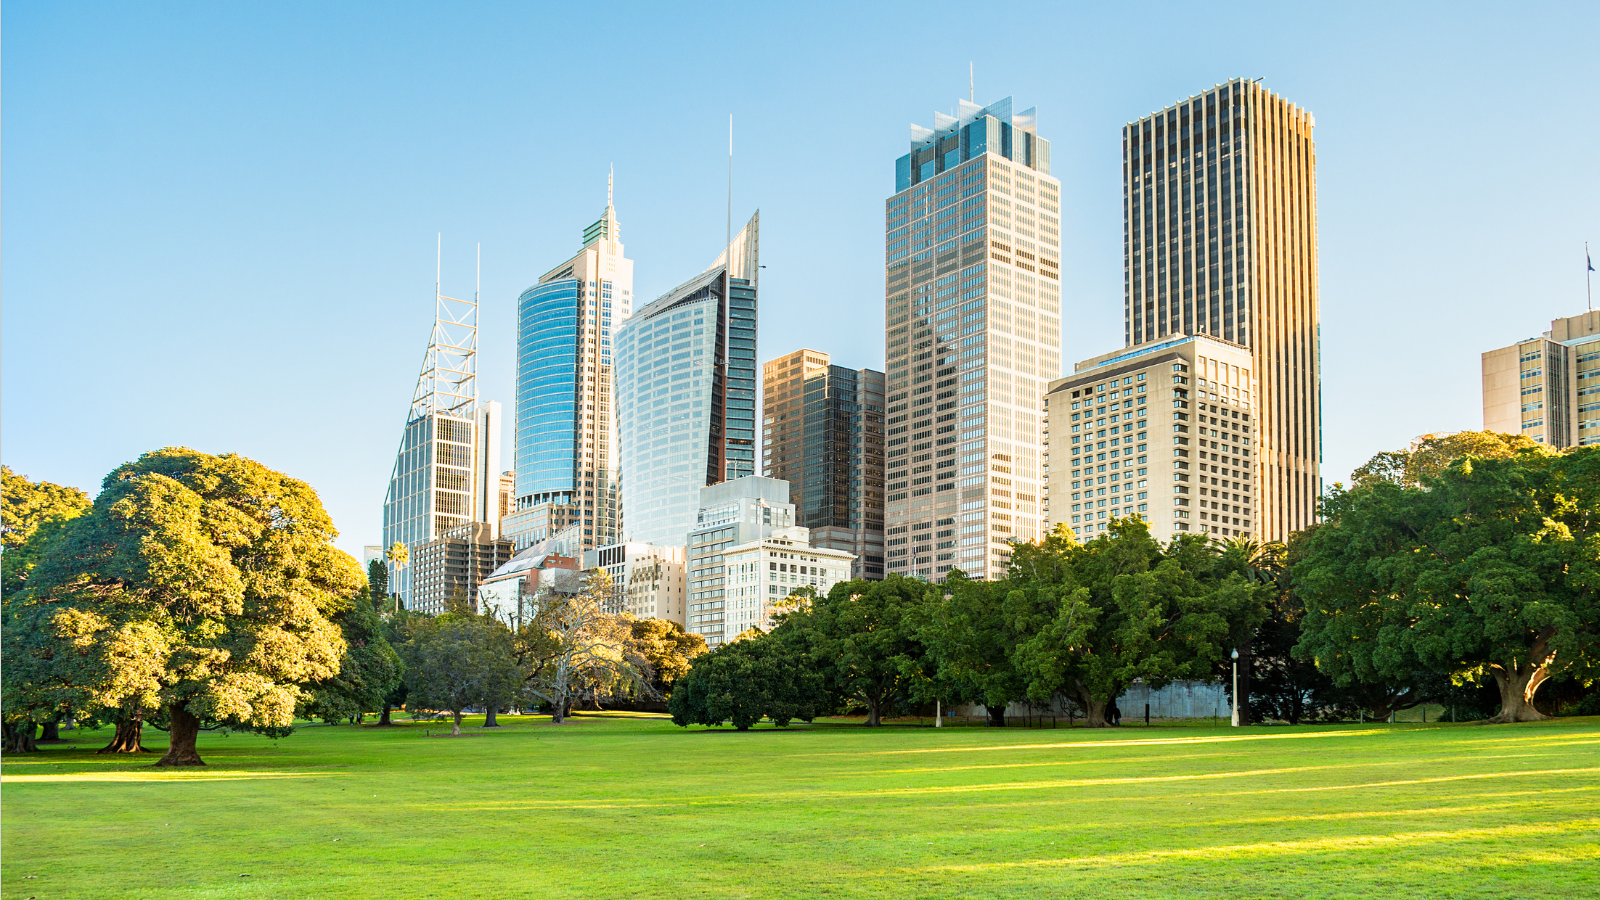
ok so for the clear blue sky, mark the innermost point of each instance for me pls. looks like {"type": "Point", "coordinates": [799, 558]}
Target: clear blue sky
{"type": "Point", "coordinates": [220, 218]}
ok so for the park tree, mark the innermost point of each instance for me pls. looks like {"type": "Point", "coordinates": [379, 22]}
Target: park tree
{"type": "Point", "coordinates": [861, 639]}
{"type": "Point", "coordinates": [368, 672]}
{"type": "Point", "coordinates": [743, 682]}
{"type": "Point", "coordinates": [970, 641]}
{"type": "Point", "coordinates": [1431, 455]}
{"type": "Point", "coordinates": [199, 590]}
{"type": "Point", "coordinates": [453, 662]}
{"type": "Point", "coordinates": [1123, 607]}
{"type": "Point", "coordinates": [378, 583]}
{"type": "Point", "coordinates": [26, 507]}
{"type": "Point", "coordinates": [574, 647]}
{"type": "Point", "coordinates": [1490, 567]}
{"type": "Point", "coordinates": [666, 649]}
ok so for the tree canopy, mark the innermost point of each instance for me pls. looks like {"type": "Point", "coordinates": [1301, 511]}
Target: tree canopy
{"type": "Point", "coordinates": [457, 661]}
{"type": "Point", "coordinates": [1122, 607]}
{"type": "Point", "coordinates": [1489, 566]}
{"type": "Point", "coordinates": [744, 682]}
{"type": "Point", "coordinates": [199, 589]}
{"type": "Point", "coordinates": [861, 639]}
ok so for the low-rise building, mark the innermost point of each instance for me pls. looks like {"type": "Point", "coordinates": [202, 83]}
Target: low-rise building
{"type": "Point", "coordinates": [511, 592]}
{"type": "Point", "coordinates": [1166, 432]}
{"type": "Point", "coordinates": [648, 582]}
{"type": "Point", "coordinates": [763, 572]}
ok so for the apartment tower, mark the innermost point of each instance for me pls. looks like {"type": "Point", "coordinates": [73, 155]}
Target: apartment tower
{"type": "Point", "coordinates": [1220, 240]}
{"type": "Point", "coordinates": [973, 319]}
{"type": "Point", "coordinates": [566, 463]}
{"type": "Point", "coordinates": [822, 431]}
{"type": "Point", "coordinates": [686, 394]}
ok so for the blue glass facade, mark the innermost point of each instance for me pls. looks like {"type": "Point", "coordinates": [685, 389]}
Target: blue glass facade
{"type": "Point", "coordinates": [547, 388]}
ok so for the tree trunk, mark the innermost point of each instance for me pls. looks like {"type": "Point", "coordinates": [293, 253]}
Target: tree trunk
{"type": "Point", "coordinates": [1246, 657]}
{"type": "Point", "coordinates": [873, 719]}
{"type": "Point", "coordinates": [126, 740]}
{"type": "Point", "coordinates": [384, 719]}
{"type": "Point", "coordinates": [455, 722]}
{"type": "Point", "coordinates": [1094, 710]}
{"type": "Point", "coordinates": [183, 731]}
{"type": "Point", "coordinates": [997, 716]}
{"type": "Point", "coordinates": [19, 737]}
{"type": "Point", "coordinates": [51, 732]}
{"type": "Point", "coordinates": [489, 720]}
{"type": "Point", "coordinates": [1517, 687]}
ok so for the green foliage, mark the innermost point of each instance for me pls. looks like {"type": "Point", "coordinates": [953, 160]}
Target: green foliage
{"type": "Point", "coordinates": [861, 638]}
{"type": "Point", "coordinates": [25, 505]}
{"type": "Point", "coordinates": [200, 586]}
{"type": "Point", "coordinates": [666, 649]}
{"type": "Point", "coordinates": [970, 641]}
{"type": "Point", "coordinates": [1122, 607]}
{"type": "Point", "coordinates": [368, 673]}
{"type": "Point", "coordinates": [378, 581]}
{"type": "Point", "coordinates": [1490, 566]}
{"type": "Point", "coordinates": [1434, 453]}
{"type": "Point", "coordinates": [746, 681]}
{"type": "Point", "coordinates": [453, 662]}
{"type": "Point", "coordinates": [31, 515]}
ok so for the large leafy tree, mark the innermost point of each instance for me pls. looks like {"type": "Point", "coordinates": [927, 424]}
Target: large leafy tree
{"type": "Point", "coordinates": [1123, 607]}
{"type": "Point", "coordinates": [666, 649]}
{"type": "Point", "coordinates": [455, 661]}
{"type": "Point", "coordinates": [573, 648]}
{"type": "Point", "coordinates": [861, 638]}
{"type": "Point", "coordinates": [746, 681]}
{"type": "Point", "coordinates": [1491, 566]}
{"type": "Point", "coordinates": [369, 671]}
{"type": "Point", "coordinates": [31, 515]}
{"type": "Point", "coordinates": [970, 641]}
{"type": "Point", "coordinates": [199, 589]}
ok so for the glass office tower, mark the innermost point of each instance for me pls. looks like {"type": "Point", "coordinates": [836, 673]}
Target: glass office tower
{"type": "Point", "coordinates": [973, 317]}
{"type": "Point", "coordinates": [686, 394]}
{"type": "Point", "coordinates": [1220, 239]}
{"type": "Point", "coordinates": [566, 470]}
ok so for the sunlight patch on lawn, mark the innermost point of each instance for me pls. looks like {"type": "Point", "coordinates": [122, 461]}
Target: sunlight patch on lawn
{"type": "Point", "coordinates": [1266, 849]}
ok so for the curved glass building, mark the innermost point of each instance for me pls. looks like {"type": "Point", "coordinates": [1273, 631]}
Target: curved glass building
{"type": "Point", "coordinates": [566, 472]}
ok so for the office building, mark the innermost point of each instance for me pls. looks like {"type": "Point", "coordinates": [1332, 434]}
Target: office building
{"type": "Point", "coordinates": [731, 514]}
{"type": "Point", "coordinates": [1547, 387]}
{"type": "Point", "coordinates": [446, 472]}
{"type": "Point", "coordinates": [973, 319]}
{"type": "Point", "coordinates": [450, 568]}
{"type": "Point", "coordinates": [566, 466]}
{"type": "Point", "coordinates": [686, 394]}
{"type": "Point", "coordinates": [822, 431]}
{"type": "Point", "coordinates": [1165, 431]}
{"type": "Point", "coordinates": [763, 572]}
{"type": "Point", "coordinates": [648, 582]}
{"type": "Point", "coordinates": [1220, 239]}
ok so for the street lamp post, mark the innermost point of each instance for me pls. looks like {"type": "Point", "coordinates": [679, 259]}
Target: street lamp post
{"type": "Point", "coordinates": [1236, 688]}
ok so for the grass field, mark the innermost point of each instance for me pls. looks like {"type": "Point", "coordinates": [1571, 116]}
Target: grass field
{"type": "Point", "coordinates": [613, 807]}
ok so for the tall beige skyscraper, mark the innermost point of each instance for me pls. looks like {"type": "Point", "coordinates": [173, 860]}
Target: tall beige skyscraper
{"type": "Point", "coordinates": [1547, 387]}
{"type": "Point", "coordinates": [973, 318]}
{"type": "Point", "coordinates": [1220, 239]}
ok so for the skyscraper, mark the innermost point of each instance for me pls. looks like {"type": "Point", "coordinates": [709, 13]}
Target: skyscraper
{"type": "Point", "coordinates": [686, 394]}
{"type": "Point", "coordinates": [1547, 387]}
{"type": "Point", "coordinates": [1220, 239]}
{"type": "Point", "coordinates": [822, 431]}
{"type": "Point", "coordinates": [566, 468]}
{"type": "Point", "coordinates": [446, 473]}
{"type": "Point", "coordinates": [973, 318]}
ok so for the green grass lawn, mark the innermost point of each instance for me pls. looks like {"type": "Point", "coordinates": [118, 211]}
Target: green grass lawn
{"type": "Point", "coordinates": [614, 807]}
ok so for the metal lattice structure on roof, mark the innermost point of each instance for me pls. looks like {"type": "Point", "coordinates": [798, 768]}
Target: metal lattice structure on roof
{"type": "Point", "coordinates": [449, 378]}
